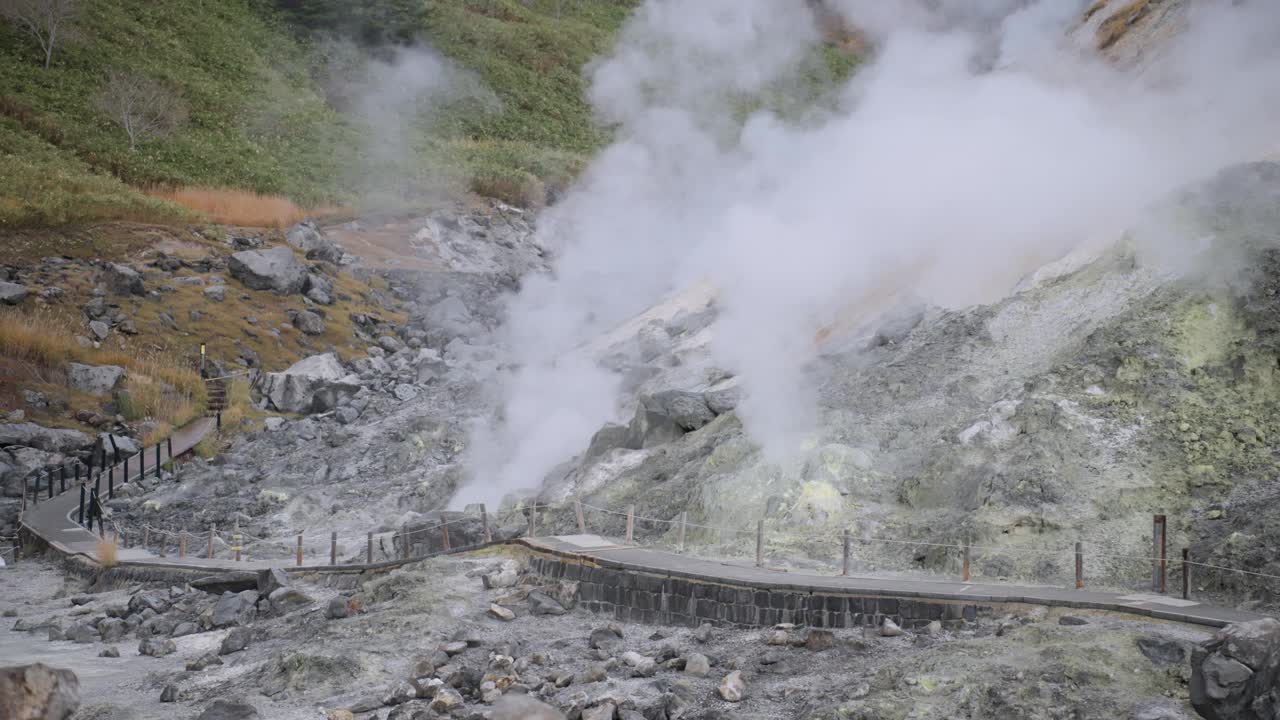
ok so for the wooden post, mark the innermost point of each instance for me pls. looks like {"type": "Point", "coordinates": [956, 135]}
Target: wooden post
{"type": "Point", "coordinates": [146, 537]}
{"type": "Point", "coordinates": [162, 551]}
{"type": "Point", "coordinates": [213, 530]}
{"type": "Point", "coordinates": [844, 568]}
{"type": "Point", "coordinates": [368, 547]}
{"type": "Point", "coordinates": [24, 497]}
{"type": "Point", "coordinates": [182, 544]}
{"type": "Point", "coordinates": [484, 524]}
{"type": "Point", "coordinates": [533, 519]}
{"type": "Point", "coordinates": [684, 519]}
{"type": "Point", "coordinates": [157, 461]}
{"type": "Point", "coordinates": [760, 543]}
{"type": "Point", "coordinates": [444, 535]}
{"type": "Point", "coordinates": [1186, 573]}
{"type": "Point", "coordinates": [111, 482]}
{"type": "Point", "coordinates": [299, 549]}
{"type": "Point", "coordinates": [126, 469]}
{"type": "Point", "coordinates": [1157, 553]}
{"type": "Point", "coordinates": [967, 553]}
{"type": "Point", "coordinates": [404, 541]}
{"type": "Point", "coordinates": [582, 520]}
{"type": "Point", "coordinates": [333, 548]}
{"type": "Point", "coordinates": [1079, 566]}
{"type": "Point", "coordinates": [124, 537]}
{"type": "Point", "coordinates": [62, 478]}
{"type": "Point", "coordinates": [169, 446]}
{"type": "Point", "coordinates": [631, 522]}
{"type": "Point", "coordinates": [235, 540]}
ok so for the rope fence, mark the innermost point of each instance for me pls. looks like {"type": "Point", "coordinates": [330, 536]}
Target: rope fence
{"type": "Point", "coordinates": [407, 543]}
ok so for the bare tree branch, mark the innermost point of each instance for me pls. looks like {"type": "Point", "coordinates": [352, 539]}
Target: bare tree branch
{"type": "Point", "coordinates": [141, 106]}
{"type": "Point", "coordinates": [44, 20]}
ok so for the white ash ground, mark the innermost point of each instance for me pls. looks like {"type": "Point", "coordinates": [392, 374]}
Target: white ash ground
{"type": "Point", "coordinates": [301, 664]}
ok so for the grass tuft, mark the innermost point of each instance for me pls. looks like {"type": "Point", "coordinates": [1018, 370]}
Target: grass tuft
{"type": "Point", "coordinates": [242, 207]}
{"type": "Point", "coordinates": [108, 553]}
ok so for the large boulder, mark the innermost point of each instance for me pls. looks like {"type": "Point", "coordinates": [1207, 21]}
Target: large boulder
{"type": "Point", "coordinates": [12, 293]}
{"type": "Point", "coordinates": [38, 692]}
{"type": "Point", "coordinates": [276, 269]}
{"type": "Point", "coordinates": [124, 280]}
{"type": "Point", "coordinates": [686, 409]}
{"type": "Point", "coordinates": [43, 438]}
{"type": "Point", "coordinates": [1236, 674]}
{"type": "Point", "coordinates": [229, 709]}
{"type": "Point", "coordinates": [313, 243]}
{"type": "Point", "coordinates": [234, 609]}
{"type": "Point", "coordinates": [97, 380]}
{"type": "Point", "coordinates": [315, 384]}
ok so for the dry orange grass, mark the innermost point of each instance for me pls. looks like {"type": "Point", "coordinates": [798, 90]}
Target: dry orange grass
{"type": "Point", "coordinates": [107, 553]}
{"type": "Point", "coordinates": [240, 207]}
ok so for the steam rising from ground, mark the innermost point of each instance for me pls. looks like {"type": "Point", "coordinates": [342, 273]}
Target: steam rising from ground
{"type": "Point", "coordinates": [976, 145]}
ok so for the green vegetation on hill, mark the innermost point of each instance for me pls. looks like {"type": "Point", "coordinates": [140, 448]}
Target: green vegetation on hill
{"type": "Point", "coordinates": [254, 79]}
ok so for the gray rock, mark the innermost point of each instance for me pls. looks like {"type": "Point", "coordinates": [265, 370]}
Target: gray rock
{"type": "Point", "coordinates": [697, 665]}
{"type": "Point", "coordinates": [314, 384]}
{"type": "Point", "coordinates": [271, 580]}
{"type": "Point", "coordinates": [686, 409]}
{"type": "Point", "coordinates": [338, 608]}
{"type": "Point", "coordinates": [12, 293]}
{"type": "Point", "coordinates": [42, 438]}
{"type": "Point", "coordinates": [82, 633]}
{"type": "Point", "coordinates": [602, 711]}
{"type": "Point", "coordinates": [235, 641]}
{"type": "Point", "coordinates": [125, 445]}
{"type": "Point", "coordinates": [405, 393]}
{"type": "Point", "coordinates": [608, 438]}
{"type": "Point", "coordinates": [276, 269]}
{"type": "Point", "coordinates": [501, 613]}
{"type": "Point", "coordinates": [724, 397]}
{"type": "Point", "coordinates": [150, 600]}
{"type": "Point", "coordinates": [651, 427]}
{"type": "Point", "coordinates": [390, 344]}
{"type": "Point", "coordinates": [816, 639]}
{"type": "Point", "coordinates": [445, 699]}
{"type": "Point", "coordinates": [124, 280]}
{"type": "Point", "coordinates": [593, 674]}
{"type": "Point", "coordinates": [229, 709]}
{"type": "Point", "coordinates": [204, 661]}
{"type": "Point", "coordinates": [169, 694]}
{"type": "Point", "coordinates": [309, 323]}
{"type": "Point", "coordinates": [38, 692]}
{"type": "Point", "coordinates": [110, 652]}
{"type": "Point", "coordinates": [313, 243]}
{"type": "Point", "coordinates": [733, 688]}
{"type": "Point", "coordinates": [287, 599]}
{"type": "Point", "coordinates": [157, 647]}
{"type": "Point", "coordinates": [183, 629]}
{"type": "Point", "coordinates": [541, 603]}
{"type": "Point", "coordinates": [215, 293]}
{"type": "Point", "coordinates": [1236, 674]}
{"type": "Point", "coordinates": [1162, 651]}
{"type": "Point", "coordinates": [523, 707]}
{"type": "Point", "coordinates": [1072, 620]}
{"type": "Point", "coordinates": [95, 308]}
{"type": "Point", "coordinates": [99, 330]}
{"type": "Point", "coordinates": [346, 415]}
{"type": "Point", "coordinates": [98, 380]}
{"type": "Point", "coordinates": [112, 629]}
{"type": "Point", "coordinates": [890, 629]}
{"type": "Point", "coordinates": [234, 609]}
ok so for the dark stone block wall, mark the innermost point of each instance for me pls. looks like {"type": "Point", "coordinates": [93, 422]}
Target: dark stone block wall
{"type": "Point", "coordinates": [665, 600]}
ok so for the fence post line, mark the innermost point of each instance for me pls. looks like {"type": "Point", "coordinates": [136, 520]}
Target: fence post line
{"type": "Point", "coordinates": [1186, 573]}
{"type": "Point", "coordinates": [1157, 540]}
{"type": "Point", "coordinates": [62, 478]}
{"type": "Point", "coordinates": [582, 520]}
{"type": "Point", "coordinates": [182, 544]}
{"type": "Point", "coordinates": [157, 461]}
{"type": "Point", "coordinates": [124, 537]}
{"type": "Point", "coordinates": [444, 536]}
{"type": "Point", "coordinates": [146, 537]}
{"type": "Point", "coordinates": [760, 543]}
{"type": "Point", "coordinates": [684, 519]}
{"type": "Point", "coordinates": [115, 449]}
{"type": "Point", "coordinates": [169, 446]}
{"type": "Point", "coordinates": [212, 531]}
{"type": "Point", "coordinates": [844, 566]}
{"type": "Point", "coordinates": [484, 524]}
{"type": "Point", "coordinates": [631, 522]}
{"type": "Point", "coordinates": [967, 557]}
{"type": "Point", "coordinates": [333, 547]}
{"type": "Point", "coordinates": [1079, 565]}
{"type": "Point", "coordinates": [162, 550]}
{"type": "Point", "coordinates": [368, 547]}
{"type": "Point", "coordinates": [235, 539]}
{"type": "Point", "coordinates": [24, 498]}
{"type": "Point", "coordinates": [1164, 565]}
{"type": "Point", "coordinates": [299, 549]}
{"type": "Point", "coordinates": [81, 516]}
{"type": "Point", "coordinates": [111, 482]}
{"type": "Point", "coordinates": [126, 469]}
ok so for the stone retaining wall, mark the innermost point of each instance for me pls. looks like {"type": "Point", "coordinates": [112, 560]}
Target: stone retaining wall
{"type": "Point", "coordinates": [635, 596]}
